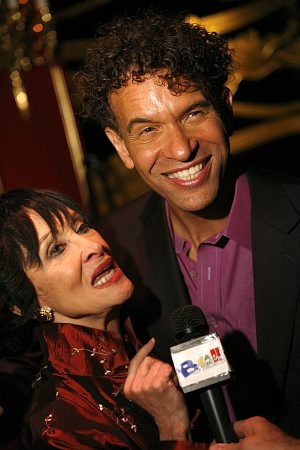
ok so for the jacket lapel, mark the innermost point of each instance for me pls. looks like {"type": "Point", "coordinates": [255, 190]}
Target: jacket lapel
{"type": "Point", "coordinates": [163, 274]}
{"type": "Point", "coordinates": [276, 272]}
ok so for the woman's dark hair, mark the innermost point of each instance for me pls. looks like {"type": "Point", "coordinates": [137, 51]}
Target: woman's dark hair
{"type": "Point", "coordinates": [140, 46]}
{"type": "Point", "coordinates": [19, 248]}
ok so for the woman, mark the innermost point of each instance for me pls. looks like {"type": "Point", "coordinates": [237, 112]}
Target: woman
{"type": "Point", "coordinates": [59, 279]}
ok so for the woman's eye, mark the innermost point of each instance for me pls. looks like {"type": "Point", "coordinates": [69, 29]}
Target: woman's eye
{"type": "Point", "coordinates": [83, 228]}
{"type": "Point", "coordinates": [56, 250]}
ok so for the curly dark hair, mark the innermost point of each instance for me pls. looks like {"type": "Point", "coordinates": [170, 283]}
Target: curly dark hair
{"type": "Point", "coordinates": [19, 248]}
{"type": "Point", "coordinates": [143, 45]}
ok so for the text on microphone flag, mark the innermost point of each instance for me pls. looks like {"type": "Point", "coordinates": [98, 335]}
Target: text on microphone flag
{"type": "Point", "coordinates": [200, 362]}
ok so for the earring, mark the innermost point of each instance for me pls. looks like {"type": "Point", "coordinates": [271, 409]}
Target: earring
{"type": "Point", "coordinates": [44, 314]}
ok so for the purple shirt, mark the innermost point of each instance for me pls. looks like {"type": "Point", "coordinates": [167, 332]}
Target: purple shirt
{"type": "Point", "coordinates": [220, 282]}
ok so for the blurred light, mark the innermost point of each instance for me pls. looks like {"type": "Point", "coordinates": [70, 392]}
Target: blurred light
{"type": "Point", "coordinates": [38, 27]}
{"type": "Point", "coordinates": [28, 39]}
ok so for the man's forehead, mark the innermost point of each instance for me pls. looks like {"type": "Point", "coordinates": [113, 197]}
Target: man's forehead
{"type": "Point", "coordinates": [134, 93]}
{"type": "Point", "coordinates": [161, 77]}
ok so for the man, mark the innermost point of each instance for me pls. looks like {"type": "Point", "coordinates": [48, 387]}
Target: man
{"type": "Point", "coordinates": [258, 434]}
{"type": "Point", "coordinates": [206, 233]}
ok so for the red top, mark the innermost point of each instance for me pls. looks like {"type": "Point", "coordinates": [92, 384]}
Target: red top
{"type": "Point", "coordinates": [78, 401]}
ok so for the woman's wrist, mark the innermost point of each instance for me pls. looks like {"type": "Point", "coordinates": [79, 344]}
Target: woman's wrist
{"type": "Point", "coordinates": [174, 430]}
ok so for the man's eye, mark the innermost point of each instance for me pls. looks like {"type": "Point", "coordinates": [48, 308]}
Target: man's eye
{"type": "Point", "coordinates": [198, 114]}
{"type": "Point", "coordinates": [148, 133]}
{"type": "Point", "coordinates": [147, 130]}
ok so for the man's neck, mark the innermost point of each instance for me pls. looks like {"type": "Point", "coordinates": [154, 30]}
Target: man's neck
{"type": "Point", "coordinates": [198, 226]}
{"type": "Point", "coordinates": [194, 228]}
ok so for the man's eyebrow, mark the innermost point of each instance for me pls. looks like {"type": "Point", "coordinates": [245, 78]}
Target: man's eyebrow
{"type": "Point", "coordinates": [200, 103]}
{"type": "Point", "coordinates": [142, 120]}
{"type": "Point", "coordinates": [137, 120]}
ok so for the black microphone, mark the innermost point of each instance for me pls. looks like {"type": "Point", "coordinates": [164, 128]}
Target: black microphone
{"type": "Point", "coordinates": [201, 365]}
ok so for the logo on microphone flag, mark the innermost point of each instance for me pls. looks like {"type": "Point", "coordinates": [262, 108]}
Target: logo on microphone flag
{"type": "Point", "coordinates": [200, 362]}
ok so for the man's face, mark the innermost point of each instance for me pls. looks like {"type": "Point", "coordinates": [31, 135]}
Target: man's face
{"type": "Point", "coordinates": [177, 143]}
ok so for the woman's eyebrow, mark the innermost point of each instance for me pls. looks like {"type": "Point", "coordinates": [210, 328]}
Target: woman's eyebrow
{"type": "Point", "coordinates": [44, 237]}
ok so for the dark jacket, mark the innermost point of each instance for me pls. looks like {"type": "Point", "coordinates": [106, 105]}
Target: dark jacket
{"type": "Point", "coordinates": [266, 384]}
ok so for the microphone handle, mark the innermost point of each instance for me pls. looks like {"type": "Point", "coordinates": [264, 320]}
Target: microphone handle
{"type": "Point", "coordinates": [217, 414]}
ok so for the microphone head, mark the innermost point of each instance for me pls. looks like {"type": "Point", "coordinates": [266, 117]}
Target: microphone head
{"type": "Point", "coordinates": [189, 322]}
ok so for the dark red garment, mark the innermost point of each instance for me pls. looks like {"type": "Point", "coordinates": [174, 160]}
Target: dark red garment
{"type": "Point", "coordinates": [78, 402]}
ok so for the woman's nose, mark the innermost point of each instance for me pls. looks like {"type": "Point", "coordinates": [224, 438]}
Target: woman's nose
{"type": "Point", "coordinates": [91, 249]}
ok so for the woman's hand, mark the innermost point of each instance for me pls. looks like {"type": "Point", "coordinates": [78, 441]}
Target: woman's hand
{"type": "Point", "coordinates": [153, 385]}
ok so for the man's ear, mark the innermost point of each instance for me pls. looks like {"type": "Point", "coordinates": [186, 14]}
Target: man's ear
{"type": "Point", "coordinates": [227, 111]}
{"type": "Point", "coordinates": [120, 146]}
{"type": "Point", "coordinates": [15, 310]}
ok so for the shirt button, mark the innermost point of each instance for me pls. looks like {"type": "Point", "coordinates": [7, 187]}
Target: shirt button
{"type": "Point", "coordinates": [194, 273]}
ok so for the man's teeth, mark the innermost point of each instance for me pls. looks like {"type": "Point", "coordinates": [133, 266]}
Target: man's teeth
{"type": "Point", "coordinates": [187, 174]}
{"type": "Point", "coordinates": [102, 279]}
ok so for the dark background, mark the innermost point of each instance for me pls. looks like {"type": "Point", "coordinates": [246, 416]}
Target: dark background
{"type": "Point", "coordinates": [109, 184]}
{"type": "Point", "coordinates": [77, 20]}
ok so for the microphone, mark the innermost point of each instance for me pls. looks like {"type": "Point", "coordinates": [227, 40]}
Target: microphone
{"type": "Point", "coordinates": [201, 364]}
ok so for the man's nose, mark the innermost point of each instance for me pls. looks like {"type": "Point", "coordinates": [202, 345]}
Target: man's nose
{"type": "Point", "coordinates": [180, 146]}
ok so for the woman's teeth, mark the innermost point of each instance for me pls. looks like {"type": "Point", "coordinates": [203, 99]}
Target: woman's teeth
{"type": "Point", "coordinates": [102, 279]}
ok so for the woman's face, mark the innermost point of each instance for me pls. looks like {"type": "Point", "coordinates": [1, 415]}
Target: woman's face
{"type": "Point", "coordinates": [78, 278]}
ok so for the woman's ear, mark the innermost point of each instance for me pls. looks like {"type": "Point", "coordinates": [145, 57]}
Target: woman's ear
{"type": "Point", "coordinates": [15, 310]}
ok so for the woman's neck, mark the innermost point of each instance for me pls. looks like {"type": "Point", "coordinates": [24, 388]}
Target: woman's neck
{"type": "Point", "coordinates": [110, 322]}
